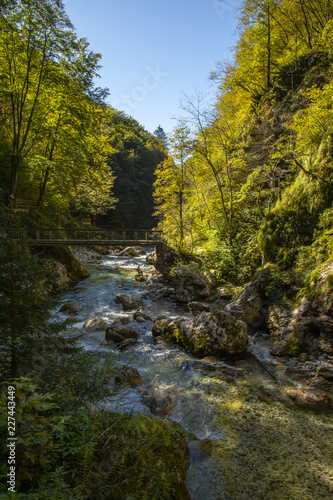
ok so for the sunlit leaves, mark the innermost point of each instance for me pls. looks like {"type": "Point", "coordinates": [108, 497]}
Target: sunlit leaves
{"type": "Point", "coordinates": [53, 119]}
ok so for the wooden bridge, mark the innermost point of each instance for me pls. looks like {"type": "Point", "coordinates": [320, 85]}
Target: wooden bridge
{"type": "Point", "coordinates": [92, 237]}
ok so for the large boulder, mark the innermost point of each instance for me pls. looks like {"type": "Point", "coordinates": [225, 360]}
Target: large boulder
{"type": "Point", "coordinates": [128, 301]}
{"type": "Point", "coordinates": [252, 304]}
{"type": "Point", "coordinates": [165, 259]}
{"type": "Point", "coordinates": [63, 254]}
{"type": "Point", "coordinates": [133, 252]}
{"type": "Point", "coordinates": [206, 335]}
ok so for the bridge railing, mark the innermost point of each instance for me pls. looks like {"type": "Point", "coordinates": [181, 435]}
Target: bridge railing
{"type": "Point", "coordinates": [94, 236]}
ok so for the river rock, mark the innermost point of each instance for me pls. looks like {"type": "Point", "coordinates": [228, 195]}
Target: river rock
{"type": "Point", "coordinates": [141, 314]}
{"type": "Point", "coordinates": [128, 301]}
{"type": "Point", "coordinates": [95, 323]}
{"type": "Point", "coordinates": [326, 371]}
{"type": "Point", "coordinates": [308, 397]}
{"type": "Point", "coordinates": [70, 308]}
{"type": "Point", "coordinates": [126, 343]}
{"type": "Point", "coordinates": [130, 376]}
{"type": "Point", "coordinates": [133, 252]}
{"type": "Point", "coordinates": [112, 336]}
{"type": "Point", "coordinates": [125, 320]}
{"type": "Point", "coordinates": [308, 335]}
{"type": "Point", "coordinates": [119, 332]}
{"type": "Point", "coordinates": [208, 334]}
{"type": "Point", "coordinates": [158, 408]}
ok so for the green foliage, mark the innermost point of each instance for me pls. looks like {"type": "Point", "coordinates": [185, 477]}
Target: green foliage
{"type": "Point", "coordinates": [53, 139]}
{"type": "Point", "coordinates": [260, 174]}
{"type": "Point", "coordinates": [24, 303]}
{"type": "Point", "coordinates": [133, 158]}
{"type": "Point", "coordinates": [69, 450]}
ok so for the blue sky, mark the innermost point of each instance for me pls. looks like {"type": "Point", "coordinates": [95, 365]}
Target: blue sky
{"type": "Point", "coordinates": [155, 50]}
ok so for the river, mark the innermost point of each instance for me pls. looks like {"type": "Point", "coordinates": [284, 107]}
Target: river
{"type": "Point", "coordinates": [248, 441]}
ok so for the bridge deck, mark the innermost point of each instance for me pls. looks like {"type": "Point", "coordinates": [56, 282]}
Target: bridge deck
{"type": "Point", "coordinates": [94, 243]}
{"type": "Point", "coordinates": [90, 237]}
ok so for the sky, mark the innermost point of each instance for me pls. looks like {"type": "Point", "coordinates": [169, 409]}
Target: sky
{"type": "Point", "coordinates": [154, 51]}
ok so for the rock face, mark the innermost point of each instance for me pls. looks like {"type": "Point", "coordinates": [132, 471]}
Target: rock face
{"type": "Point", "coordinates": [206, 335]}
{"type": "Point", "coordinates": [63, 268]}
{"type": "Point", "coordinates": [59, 279]}
{"type": "Point", "coordinates": [251, 305]}
{"type": "Point", "coordinates": [133, 252]}
{"type": "Point", "coordinates": [95, 323]}
{"type": "Point", "coordinates": [128, 301]}
{"type": "Point", "coordinates": [309, 327]}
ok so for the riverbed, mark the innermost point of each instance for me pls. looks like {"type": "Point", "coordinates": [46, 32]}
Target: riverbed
{"type": "Point", "coordinates": [246, 438]}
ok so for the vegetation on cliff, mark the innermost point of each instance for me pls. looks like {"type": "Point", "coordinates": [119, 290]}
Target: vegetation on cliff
{"type": "Point", "coordinates": [253, 182]}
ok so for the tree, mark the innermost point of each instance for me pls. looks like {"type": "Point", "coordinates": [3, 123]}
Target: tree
{"type": "Point", "coordinates": [161, 135]}
{"type": "Point", "coordinates": [171, 185]}
{"type": "Point", "coordinates": [51, 113]}
{"type": "Point", "coordinates": [218, 131]}
{"type": "Point", "coordinates": [23, 312]}
{"type": "Point", "coordinates": [134, 156]}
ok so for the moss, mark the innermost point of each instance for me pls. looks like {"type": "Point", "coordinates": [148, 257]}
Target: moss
{"type": "Point", "coordinates": [292, 349]}
{"type": "Point", "coordinates": [202, 345]}
{"type": "Point", "coordinates": [329, 282]}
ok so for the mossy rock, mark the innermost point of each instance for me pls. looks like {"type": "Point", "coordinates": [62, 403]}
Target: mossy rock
{"type": "Point", "coordinates": [65, 256]}
{"type": "Point", "coordinates": [291, 343]}
{"type": "Point", "coordinates": [206, 335]}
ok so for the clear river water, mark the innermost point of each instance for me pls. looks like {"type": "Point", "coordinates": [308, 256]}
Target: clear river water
{"type": "Point", "coordinates": [248, 441]}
